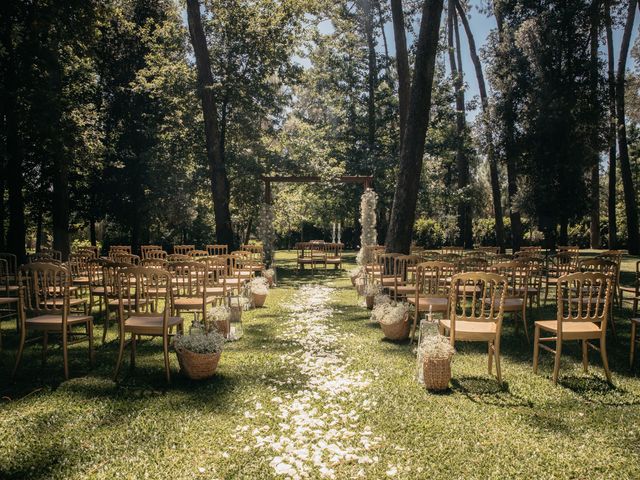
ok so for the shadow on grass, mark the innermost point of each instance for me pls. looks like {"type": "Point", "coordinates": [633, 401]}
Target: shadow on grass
{"type": "Point", "coordinates": [597, 390]}
{"type": "Point", "coordinates": [487, 390]}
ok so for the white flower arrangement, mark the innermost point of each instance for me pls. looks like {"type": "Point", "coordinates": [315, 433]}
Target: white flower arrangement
{"type": "Point", "coordinates": [437, 347]}
{"type": "Point", "coordinates": [356, 272]}
{"type": "Point", "coordinates": [269, 274]}
{"type": "Point", "coordinates": [372, 289]}
{"type": "Point", "coordinates": [379, 311]}
{"type": "Point", "coordinates": [259, 286]}
{"type": "Point", "coordinates": [369, 236]}
{"type": "Point", "coordinates": [393, 314]}
{"type": "Point", "coordinates": [266, 231]}
{"type": "Point", "coordinates": [200, 341]}
{"type": "Point", "coordinates": [221, 313]}
{"type": "Point", "coordinates": [381, 298]}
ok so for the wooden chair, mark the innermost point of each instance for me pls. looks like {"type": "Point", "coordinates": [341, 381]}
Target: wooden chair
{"type": "Point", "coordinates": [215, 250]}
{"type": "Point", "coordinates": [183, 249]}
{"type": "Point", "coordinates": [155, 255]}
{"type": "Point", "coordinates": [583, 307]}
{"type": "Point", "coordinates": [96, 284]}
{"type": "Point", "coordinates": [128, 258]}
{"type": "Point", "coordinates": [154, 263]}
{"type": "Point", "coordinates": [333, 254]}
{"type": "Point", "coordinates": [12, 267]}
{"type": "Point", "coordinates": [119, 249]}
{"type": "Point", "coordinates": [257, 251]}
{"type": "Point", "coordinates": [8, 302]}
{"type": "Point", "coordinates": [304, 255]}
{"type": "Point", "coordinates": [144, 249]}
{"type": "Point", "coordinates": [189, 281]}
{"type": "Point", "coordinates": [217, 269]}
{"type": "Point", "coordinates": [138, 289]}
{"type": "Point", "coordinates": [562, 264]}
{"type": "Point", "coordinates": [404, 285]}
{"type": "Point", "coordinates": [45, 308]}
{"type": "Point", "coordinates": [515, 301]}
{"type": "Point", "coordinates": [92, 250]}
{"type": "Point", "coordinates": [472, 264]}
{"type": "Point", "coordinates": [634, 289]}
{"type": "Point", "coordinates": [54, 254]}
{"type": "Point", "coordinates": [111, 292]}
{"type": "Point", "coordinates": [178, 257]}
{"type": "Point", "coordinates": [432, 290]}
{"type": "Point", "coordinates": [476, 316]}
{"type": "Point", "coordinates": [451, 250]}
{"type": "Point", "coordinates": [193, 254]}
{"type": "Point", "coordinates": [487, 250]}
{"type": "Point", "coordinates": [385, 273]}
{"type": "Point", "coordinates": [79, 267]}
{"type": "Point", "coordinates": [609, 268]}
{"type": "Point", "coordinates": [614, 256]}
{"type": "Point", "coordinates": [535, 274]}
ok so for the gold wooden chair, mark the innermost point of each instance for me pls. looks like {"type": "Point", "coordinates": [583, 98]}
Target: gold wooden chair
{"type": "Point", "coordinates": [183, 249]}
{"type": "Point", "coordinates": [583, 307]}
{"type": "Point", "coordinates": [12, 268]}
{"type": "Point", "coordinates": [189, 282]}
{"type": "Point", "coordinates": [515, 301]}
{"type": "Point", "coordinates": [304, 255]}
{"type": "Point", "coordinates": [96, 283]}
{"type": "Point", "coordinates": [54, 254]}
{"type": "Point", "coordinates": [111, 292]}
{"type": "Point", "coordinates": [154, 263]}
{"type": "Point", "coordinates": [128, 258]}
{"type": "Point", "coordinates": [614, 256]}
{"type": "Point", "coordinates": [119, 249]}
{"type": "Point", "coordinates": [634, 289]}
{"type": "Point", "coordinates": [194, 254]}
{"type": "Point", "coordinates": [432, 290]}
{"type": "Point", "coordinates": [476, 315]}
{"type": "Point", "coordinates": [609, 268]}
{"type": "Point", "coordinates": [155, 255]}
{"type": "Point", "coordinates": [79, 267]}
{"type": "Point", "coordinates": [8, 303]}
{"type": "Point", "coordinates": [45, 308]}
{"type": "Point", "coordinates": [333, 253]}
{"type": "Point", "coordinates": [560, 265]}
{"type": "Point", "coordinates": [92, 250]}
{"type": "Point", "coordinates": [215, 250]}
{"type": "Point", "coordinates": [140, 288]}
{"type": "Point", "coordinates": [217, 275]}
{"type": "Point", "coordinates": [144, 249]}
{"type": "Point", "coordinates": [385, 273]}
{"type": "Point", "coordinates": [404, 285]}
{"type": "Point", "coordinates": [40, 257]}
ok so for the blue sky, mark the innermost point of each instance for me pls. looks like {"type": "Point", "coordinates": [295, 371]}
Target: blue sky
{"type": "Point", "coordinates": [481, 26]}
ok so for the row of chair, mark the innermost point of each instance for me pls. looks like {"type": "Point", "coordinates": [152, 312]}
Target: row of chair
{"type": "Point", "coordinates": [318, 253]}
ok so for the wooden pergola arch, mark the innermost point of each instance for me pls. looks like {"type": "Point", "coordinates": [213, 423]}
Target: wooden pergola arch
{"type": "Point", "coordinates": [366, 181]}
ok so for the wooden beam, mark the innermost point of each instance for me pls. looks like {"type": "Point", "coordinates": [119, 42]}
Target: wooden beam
{"type": "Point", "coordinates": [366, 181]}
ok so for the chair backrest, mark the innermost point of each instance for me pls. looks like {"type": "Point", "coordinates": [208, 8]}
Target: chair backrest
{"type": "Point", "coordinates": [78, 264]}
{"type": "Point", "coordinates": [121, 257]}
{"type": "Point", "coordinates": [143, 291]}
{"type": "Point", "coordinates": [432, 278]}
{"type": "Point", "coordinates": [217, 269]}
{"type": "Point", "coordinates": [154, 254]}
{"type": "Point", "coordinates": [94, 272]}
{"type": "Point", "coordinates": [154, 263]}
{"type": "Point", "coordinates": [517, 275]}
{"type": "Point", "coordinates": [178, 257]}
{"type": "Point", "coordinates": [584, 297]}
{"type": "Point", "coordinates": [217, 249]}
{"type": "Point", "coordinates": [613, 256]}
{"type": "Point", "coordinates": [488, 250]}
{"type": "Point", "coordinates": [110, 271]}
{"type": "Point", "coordinates": [183, 249]}
{"type": "Point", "coordinates": [198, 253]}
{"type": "Point", "coordinates": [405, 268]}
{"type": "Point", "coordinates": [333, 250]}
{"type": "Point", "coordinates": [45, 289]}
{"type": "Point", "coordinates": [563, 263]}
{"type": "Point", "coordinates": [472, 264]}
{"type": "Point", "coordinates": [241, 254]}
{"type": "Point", "coordinates": [449, 257]}
{"type": "Point", "coordinates": [386, 263]}
{"type": "Point", "coordinates": [12, 263]}
{"type": "Point", "coordinates": [40, 257]}
{"type": "Point", "coordinates": [452, 250]}
{"type": "Point", "coordinates": [532, 248]}
{"type": "Point", "coordinates": [144, 249]}
{"type": "Point", "coordinates": [257, 251]}
{"type": "Point", "coordinates": [92, 250]}
{"type": "Point", "coordinates": [485, 303]}
{"type": "Point", "coordinates": [599, 265]}
{"type": "Point", "coordinates": [119, 249]}
{"type": "Point", "coordinates": [55, 254]}
{"type": "Point", "coordinates": [4, 277]}
{"type": "Point", "coordinates": [189, 279]}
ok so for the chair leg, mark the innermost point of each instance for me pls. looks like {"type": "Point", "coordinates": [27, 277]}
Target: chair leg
{"type": "Point", "coordinates": [133, 350]}
{"type": "Point", "coordinates": [45, 344]}
{"type": "Point", "coordinates": [23, 336]}
{"type": "Point", "coordinates": [605, 361]}
{"type": "Point", "coordinates": [585, 356]}
{"type": "Point", "coordinates": [106, 322]}
{"type": "Point", "coordinates": [525, 325]}
{"type": "Point", "coordinates": [496, 352]}
{"type": "Point", "coordinates": [556, 363]}
{"type": "Point", "coordinates": [165, 345]}
{"type": "Point", "coordinates": [120, 355]}
{"type": "Point", "coordinates": [65, 353]}
{"type": "Point", "coordinates": [633, 343]}
{"type": "Point", "coordinates": [412, 334]}
{"type": "Point", "coordinates": [536, 348]}
{"type": "Point", "coordinates": [90, 334]}
{"type": "Point", "coordinates": [490, 358]}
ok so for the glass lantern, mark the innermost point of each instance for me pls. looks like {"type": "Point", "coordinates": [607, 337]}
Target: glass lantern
{"type": "Point", "coordinates": [428, 328]}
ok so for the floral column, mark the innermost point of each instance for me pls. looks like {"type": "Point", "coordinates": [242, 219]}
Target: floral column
{"type": "Point", "coordinates": [369, 236]}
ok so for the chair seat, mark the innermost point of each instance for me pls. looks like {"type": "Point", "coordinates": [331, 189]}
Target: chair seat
{"type": "Point", "coordinates": [624, 288]}
{"type": "Point", "coordinates": [572, 330]}
{"type": "Point", "coordinates": [55, 321]}
{"type": "Point", "coordinates": [472, 331]}
{"type": "Point", "coordinates": [334, 260]}
{"type": "Point", "coordinates": [217, 291]}
{"type": "Point", "coordinates": [8, 300]}
{"type": "Point", "coordinates": [150, 325]}
{"type": "Point", "coordinates": [125, 301]}
{"type": "Point", "coordinates": [97, 290]}
{"type": "Point", "coordinates": [510, 304]}
{"type": "Point", "coordinates": [81, 280]}
{"type": "Point", "coordinates": [404, 289]}
{"type": "Point", "coordinates": [390, 281]}
{"type": "Point", "coordinates": [57, 302]}
{"type": "Point", "coordinates": [191, 302]}
{"type": "Point", "coordinates": [437, 304]}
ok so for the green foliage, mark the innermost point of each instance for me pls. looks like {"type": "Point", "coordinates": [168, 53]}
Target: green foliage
{"type": "Point", "coordinates": [429, 233]}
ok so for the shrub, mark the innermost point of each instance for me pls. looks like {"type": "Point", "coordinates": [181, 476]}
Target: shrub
{"type": "Point", "coordinates": [429, 233]}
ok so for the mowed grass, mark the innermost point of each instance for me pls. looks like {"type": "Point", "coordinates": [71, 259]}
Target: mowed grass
{"type": "Point", "coordinates": [91, 427]}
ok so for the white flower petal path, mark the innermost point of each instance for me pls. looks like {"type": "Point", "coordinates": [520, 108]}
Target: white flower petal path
{"type": "Point", "coordinates": [318, 428]}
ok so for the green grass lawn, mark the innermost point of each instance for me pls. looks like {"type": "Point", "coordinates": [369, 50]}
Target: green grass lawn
{"type": "Point", "coordinates": [91, 427]}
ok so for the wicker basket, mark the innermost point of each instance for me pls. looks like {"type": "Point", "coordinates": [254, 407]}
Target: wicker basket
{"type": "Point", "coordinates": [197, 366]}
{"type": "Point", "coordinates": [396, 331]}
{"type": "Point", "coordinates": [259, 299]}
{"type": "Point", "coordinates": [370, 300]}
{"type": "Point", "coordinates": [437, 373]}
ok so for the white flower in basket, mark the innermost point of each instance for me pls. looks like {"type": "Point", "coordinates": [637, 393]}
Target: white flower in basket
{"type": "Point", "coordinates": [394, 313]}
{"type": "Point", "coordinates": [270, 275]}
{"type": "Point", "coordinates": [372, 289]}
{"type": "Point", "coordinates": [434, 355]}
{"type": "Point", "coordinates": [437, 347]}
{"type": "Point", "coordinates": [220, 318]}
{"type": "Point", "coordinates": [200, 341]}
{"type": "Point", "coordinates": [259, 286]}
{"type": "Point", "coordinates": [394, 320]}
{"type": "Point", "coordinates": [381, 298]}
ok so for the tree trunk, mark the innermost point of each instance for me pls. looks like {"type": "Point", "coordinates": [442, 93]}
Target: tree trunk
{"type": "Point", "coordinates": [60, 205]}
{"type": "Point", "coordinates": [217, 168]}
{"type": "Point", "coordinates": [39, 230]}
{"type": "Point", "coordinates": [402, 61]}
{"type": "Point", "coordinates": [3, 173]}
{"type": "Point", "coordinates": [462, 162]}
{"type": "Point", "coordinates": [510, 154]}
{"type": "Point", "coordinates": [633, 243]}
{"type": "Point", "coordinates": [92, 232]}
{"type": "Point", "coordinates": [491, 157]}
{"type": "Point", "coordinates": [384, 35]}
{"type": "Point", "coordinates": [247, 233]}
{"type": "Point", "coordinates": [372, 79]}
{"type": "Point", "coordinates": [403, 211]}
{"type": "Point", "coordinates": [611, 201]}
{"type": "Point", "coordinates": [595, 169]}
